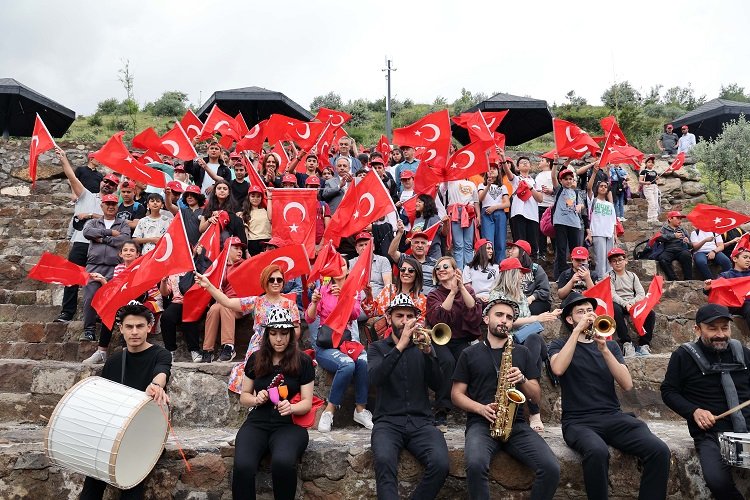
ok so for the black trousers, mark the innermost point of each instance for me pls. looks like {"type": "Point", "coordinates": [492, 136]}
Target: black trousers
{"type": "Point", "coordinates": [718, 475]}
{"type": "Point", "coordinates": [170, 319]}
{"type": "Point", "coordinates": [93, 489]}
{"type": "Point", "coordinates": [623, 335]}
{"type": "Point", "coordinates": [566, 239]}
{"type": "Point", "coordinates": [538, 349]}
{"type": "Point", "coordinates": [590, 436]}
{"type": "Point", "coordinates": [525, 229]}
{"type": "Point", "coordinates": [539, 306]}
{"type": "Point", "coordinates": [743, 311]}
{"type": "Point", "coordinates": [77, 255]}
{"type": "Point", "coordinates": [286, 443]}
{"type": "Point", "coordinates": [447, 356]}
{"type": "Point", "coordinates": [686, 261]}
{"type": "Point", "coordinates": [524, 445]}
{"type": "Point", "coordinates": [425, 442]}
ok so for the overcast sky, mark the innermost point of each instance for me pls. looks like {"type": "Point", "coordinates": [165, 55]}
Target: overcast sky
{"type": "Point", "coordinates": [71, 50]}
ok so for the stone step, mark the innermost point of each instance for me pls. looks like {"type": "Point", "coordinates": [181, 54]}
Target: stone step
{"type": "Point", "coordinates": [51, 234]}
{"type": "Point", "coordinates": [32, 246]}
{"type": "Point", "coordinates": [51, 296]}
{"type": "Point", "coordinates": [28, 313]}
{"type": "Point", "coordinates": [338, 465]}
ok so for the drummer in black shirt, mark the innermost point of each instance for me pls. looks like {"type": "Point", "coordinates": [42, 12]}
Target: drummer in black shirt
{"type": "Point", "coordinates": [403, 416]}
{"type": "Point", "coordinates": [142, 366]}
{"type": "Point", "coordinates": [591, 414]}
{"type": "Point", "coordinates": [474, 386]}
{"type": "Point", "coordinates": [698, 397]}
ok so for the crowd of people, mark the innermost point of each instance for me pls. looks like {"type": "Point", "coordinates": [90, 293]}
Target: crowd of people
{"type": "Point", "coordinates": [491, 290]}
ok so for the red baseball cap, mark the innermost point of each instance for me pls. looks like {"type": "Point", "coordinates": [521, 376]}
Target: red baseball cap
{"type": "Point", "coordinates": [407, 174]}
{"type": "Point", "coordinates": [179, 168]}
{"type": "Point", "coordinates": [289, 178]}
{"type": "Point", "coordinates": [110, 198]}
{"type": "Point", "coordinates": [479, 243]}
{"type": "Point", "coordinates": [233, 240]}
{"type": "Point", "coordinates": [275, 242]}
{"type": "Point", "coordinates": [235, 156]}
{"type": "Point", "coordinates": [128, 185]}
{"type": "Point", "coordinates": [377, 159]}
{"type": "Point", "coordinates": [255, 189]}
{"type": "Point", "coordinates": [579, 253]}
{"type": "Point", "coordinates": [112, 178]}
{"type": "Point", "coordinates": [91, 155]}
{"type": "Point", "coordinates": [420, 234]}
{"type": "Point", "coordinates": [512, 263]}
{"type": "Point", "coordinates": [562, 173]}
{"type": "Point", "coordinates": [193, 189]}
{"type": "Point", "coordinates": [615, 251]}
{"type": "Point", "coordinates": [675, 213]}
{"type": "Point", "coordinates": [363, 236]}
{"type": "Point", "coordinates": [312, 180]}
{"type": "Point", "coordinates": [175, 186]}
{"type": "Point", "coordinates": [522, 244]}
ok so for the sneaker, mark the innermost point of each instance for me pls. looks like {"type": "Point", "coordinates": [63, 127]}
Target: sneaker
{"type": "Point", "coordinates": [87, 335]}
{"type": "Point", "coordinates": [623, 219]}
{"type": "Point", "coordinates": [363, 418]}
{"type": "Point", "coordinates": [207, 356]}
{"type": "Point", "coordinates": [172, 354]}
{"type": "Point", "coordinates": [98, 358]}
{"type": "Point", "coordinates": [227, 353]}
{"type": "Point", "coordinates": [441, 421]}
{"type": "Point", "coordinates": [64, 318]}
{"type": "Point", "coordinates": [326, 420]}
{"type": "Point", "coordinates": [628, 351]}
{"type": "Point", "coordinates": [643, 350]}
{"type": "Point", "coordinates": [197, 356]}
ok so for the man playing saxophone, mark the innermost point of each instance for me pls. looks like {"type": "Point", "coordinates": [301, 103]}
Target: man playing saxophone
{"type": "Point", "coordinates": [481, 376]}
{"type": "Point", "coordinates": [588, 367]}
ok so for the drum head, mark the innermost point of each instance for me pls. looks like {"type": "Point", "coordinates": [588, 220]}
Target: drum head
{"type": "Point", "coordinates": [141, 445]}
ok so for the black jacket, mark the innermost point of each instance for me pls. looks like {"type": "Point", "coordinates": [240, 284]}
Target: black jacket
{"type": "Point", "coordinates": [197, 172]}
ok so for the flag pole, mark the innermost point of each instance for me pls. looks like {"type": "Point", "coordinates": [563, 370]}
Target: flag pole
{"type": "Point", "coordinates": [184, 231]}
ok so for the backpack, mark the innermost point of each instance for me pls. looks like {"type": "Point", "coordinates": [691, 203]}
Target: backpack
{"type": "Point", "coordinates": [649, 249]}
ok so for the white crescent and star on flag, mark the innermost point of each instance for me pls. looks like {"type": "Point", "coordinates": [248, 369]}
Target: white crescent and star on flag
{"type": "Point", "coordinates": [299, 206]}
{"type": "Point", "coordinates": [371, 200]}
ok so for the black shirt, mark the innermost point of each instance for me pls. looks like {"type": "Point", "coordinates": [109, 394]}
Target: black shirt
{"type": "Point", "coordinates": [478, 366]}
{"type": "Point", "coordinates": [649, 175]}
{"type": "Point", "coordinates": [686, 389]}
{"type": "Point", "coordinates": [266, 412]}
{"type": "Point", "coordinates": [579, 285]}
{"type": "Point", "coordinates": [588, 387]}
{"type": "Point", "coordinates": [239, 191]}
{"type": "Point", "coordinates": [402, 379]}
{"type": "Point", "coordinates": [140, 367]}
{"type": "Point", "coordinates": [135, 211]}
{"type": "Point", "coordinates": [90, 178]}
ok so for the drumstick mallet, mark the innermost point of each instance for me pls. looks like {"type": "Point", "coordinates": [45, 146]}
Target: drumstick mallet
{"type": "Point", "coordinates": [732, 410]}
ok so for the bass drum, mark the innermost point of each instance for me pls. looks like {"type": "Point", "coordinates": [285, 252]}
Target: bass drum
{"type": "Point", "coordinates": [107, 431]}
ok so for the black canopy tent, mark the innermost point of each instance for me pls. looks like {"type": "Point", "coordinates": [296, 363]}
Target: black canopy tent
{"type": "Point", "coordinates": [707, 121]}
{"type": "Point", "coordinates": [527, 118]}
{"type": "Point", "coordinates": [18, 108]}
{"type": "Point", "coordinates": [255, 103]}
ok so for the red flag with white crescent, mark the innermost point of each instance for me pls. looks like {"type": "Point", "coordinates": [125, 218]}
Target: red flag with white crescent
{"type": "Point", "coordinates": [150, 156]}
{"type": "Point", "coordinates": [219, 121]}
{"type": "Point", "coordinates": [294, 216]}
{"type": "Point", "coordinates": [118, 292]}
{"type": "Point", "coordinates": [196, 299]}
{"type": "Point", "coordinates": [481, 125]}
{"type": "Point", "coordinates": [602, 292]}
{"type": "Point", "coordinates": [609, 124]}
{"type": "Point", "coordinates": [332, 116]}
{"type": "Point", "coordinates": [640, 309]}
{"type": "Point", "coordinates": [571, 141]}
{"type": "Point", "coordinates": [714, 219]}
{"type": "Point", "coordinates": [255, 179]}
{"type": "Point", "coordinates": [328, 263]}
{"type": "Point", "coordinates": [430, 136]}
{"type": "Point", "coordinates": [210, 240]}
{"type": "Point", "coordinates": [730, 292]}
{"type": "Point", "coordinates": [171, 255]}
{"type": "Point", "coordinates": [191, 124]}
{"type": "Point", "coordinates": [384, 148]}
{"type": "Point", "coordinates": [41, 141]}
{"type": "Point", "coordinates": [468, 161]}
{"type": "Point", "coordinates": [678, 162]}
{"type": "Point", "coordinates": [292, 259]}
{"type": "Point", "coordinates": [148, 139]}
{"type": "Point", "coordinates": [254, 138]}
{"type": "Point", "coordinates": [177, 144]}
{"type": "Point", "coordinates": [116, 156]}
{"type": "Point", "coordinates": [54, 269]}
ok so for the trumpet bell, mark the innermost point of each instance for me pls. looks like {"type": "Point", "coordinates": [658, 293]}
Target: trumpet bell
{"type": "Point", "coordinates": [440, 334]}
{"type": "Point", "coordinates": [604, 325]}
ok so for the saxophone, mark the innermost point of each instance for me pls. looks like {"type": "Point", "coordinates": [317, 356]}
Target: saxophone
{"type": "Point", "coordinates": [507, 397]}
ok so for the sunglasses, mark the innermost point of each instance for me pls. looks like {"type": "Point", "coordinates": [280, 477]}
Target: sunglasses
{"type": "Point", "coordinates": [444, 267]}
{"type": "Point", "coordinates": [279, 281]}
{"type": "Point", "coordinates": [407, 270]}
{"type": "Point", "coordinates": [110, 183]}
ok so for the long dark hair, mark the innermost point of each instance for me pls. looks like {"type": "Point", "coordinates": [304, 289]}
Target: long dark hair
{"type": "Point", "coordinates": [213, 204]}
{"type": "Point", "coordinates": [418, 276]}
{"type": "Point", "coordinates": [390, 160]}
{"type": "Point", "coordinates": [498, 179]}
{"type": "Point", "coordinates": [429, 210]}
{"type": "Point", "coordinates": [289, 358]}
{"type": "Point", "coordinates": [524, 258]}
{"type": "Point", "coordinates": [481, 259]}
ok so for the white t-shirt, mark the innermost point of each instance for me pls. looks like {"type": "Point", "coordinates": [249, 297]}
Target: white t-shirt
{"type": "Point", "coordinates": [207, 180]}
{"type": "Point", "coordinates": [708, 246]}
{"type": "Point", "coordinates": [406, 194]}
{"type": "Point", "coordinates": [603, 218]}
{"type": "Point", "coordinates": [481, 281]}
{"type": "Point", "coordinates": [108, 223]}
{"type": "Point", "coordinates": [494, 196]}
{"type": "Point", "coordinates": [87, 203]}
{"type": "Point", "coordinates": [529, 209]}
{"type": "Point", "coordinates": [544, 178]}
{"type": "Point", "coordinates": [462, 192]}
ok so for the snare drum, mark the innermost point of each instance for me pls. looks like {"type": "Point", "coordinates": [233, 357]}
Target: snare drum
{"type": "Point", "coordinates": [735, 448]}
{"type": "Point", "coordinates": [107, 431]}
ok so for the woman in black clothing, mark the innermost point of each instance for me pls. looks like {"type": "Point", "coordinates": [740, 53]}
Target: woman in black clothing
{"type": "Point", "coordinates": [269, 427]}
{"type": "Point", "coordinates": [221, 200]}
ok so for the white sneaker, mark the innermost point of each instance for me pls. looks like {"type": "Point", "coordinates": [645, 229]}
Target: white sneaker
{"type": "Point", "coordinates": [197, 356]}
{"type": "Point", "coordinates": [326, 420]}
{"type": "Point", "coordinates": [644, 351]}
{"type": "Point", "coordinates": [628, 351]}
{"type": "Point", "coordinates": [363, 418]}
{"type": "Point", "coordinates": [98, 358]}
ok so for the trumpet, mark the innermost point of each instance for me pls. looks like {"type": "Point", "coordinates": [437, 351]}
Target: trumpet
{"type": "Point", "coordinates": [440, 334]}
{"type": "Point", "coordinates": [603, 326]}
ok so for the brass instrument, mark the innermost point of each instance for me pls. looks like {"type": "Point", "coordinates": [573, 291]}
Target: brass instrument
{"type": "Point", "coordinates": [440, 334]}
{"type": "Point", "coordinates": [603, 326]}
{"type": "Point", "coordinates": [507, 397]}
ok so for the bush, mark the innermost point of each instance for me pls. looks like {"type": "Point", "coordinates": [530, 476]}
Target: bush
{"type": "Point", "coordinates": [118, 123]}
{"type": "Point", "coordinates": [171, 103]}
{"type": "Point", "coordinates": [107, 106]}
{"type": "Point", "coordinates": [127, 107]}
{"type": "Point", "coordinates": [95, 120]}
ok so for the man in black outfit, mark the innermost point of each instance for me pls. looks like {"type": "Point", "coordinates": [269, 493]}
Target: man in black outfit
{"type": "Point", "coordinates": [591, 414]}
{"type": "Point", "coordinates": [475, 383]}
{"type": "Point", "coordinates": [403, 417]}
{"type": "Point", "coordinates": [145, 367]}
{"type": "Point", "coordinates": [212, 165]}
{"type": "Point", "coordinates": [89, 176]}
{"type": "Point", "coordinates": [703, 379]}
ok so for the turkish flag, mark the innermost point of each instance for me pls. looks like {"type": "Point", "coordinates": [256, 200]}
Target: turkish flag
{"type": "Point", "coordinates": [500, 143]}
{"type": "Point", "coordinates": [150, 156]}
{"type": "Point", "coordinates": [196, 299]}
{"type": "Point", "coordinates": [242, 127]}
{"type": "Point", "coordinates": [332, 116]}
{"type": "Point", "coordinates": [219, 121]}
{"type": "Point", "coordinates": [149, 139]}
{"type": "Point", "coordinates": [625, 154]}
{"type": "Point", "coordinates": [255, 179]}
{"type": "Point", "coordinates": [245, 278]}
{"type": "Point", "coordinates": [468, 161]}
{"type": "Point", "coordinates": [431, 232]}
{"type": "Point", "coordinates": [640, 309]}
{"type": "Point", "coordinates": [293, 215]}
{"type": "Point", "coordinates": [364, 203]}
{"type": "Point", "coordinates": [281, 155]}
{"type": "Point", "coordinates": [384, 148]}
{"type": "Point", "coordinates": [610, 126]}
{"type": "Point", "coordinates": [116, 156]}
{"type": "Point", "coordinates": [430, 136]}
{"type": "Point", "coordinates": [571, 141]}
{"type": "Point", "coordinates": [481, 125]}
{"type": "Point", "coordinates": [171, 255]}
{"type": "Point", "coordinates": [426, 179]}
{"type": "Point", "coordinates": [41, 141]}
{"type": "Point", "coordinates": [253, 139]}
{"type": "Point", "coordinates": [678, 162]}
{"type": "Point", "coordinates": [118, 292]}
{"type": "Point", "coordinates": [328, 263]}
{"type": "Point", "coordinates": [602, 292]}
{"type": "Point", "coordinates": [210, 240]}
{"type": "Point", "coordinates": [191, 124]}
{"type": "Point", "coordinates": [304, 134]}
{"type": "Point", "coordinates": [715, 219]}
{"type": "Point", "coordinates": [57, 270]}
{"type": "Point", "coordinates": [327, 138]}
{"type": "Point", "coordinates": [359, 277]}
{"type": "Point", "coordinates": [177, 144]}
{"type": "Point", "coordinates": [730, 292]}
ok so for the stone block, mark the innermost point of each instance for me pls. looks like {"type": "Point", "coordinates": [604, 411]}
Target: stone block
{"type": "Point", "coordinates": [15, 375]}
{"type": "Point", "coordinates": [207, 471]}
{"type": "Point", "coordinates": [51, 380]}
{"type": "Point", "coordinates": [32, 332]}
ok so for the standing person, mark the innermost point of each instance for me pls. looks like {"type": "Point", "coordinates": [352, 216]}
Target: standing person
{"type": "Point", "coordinates": [647, 179]}
{"type": "Point", "coordinates": [408, 162]}
{"type": "Point", "coordinates": [602, 230]}
{"type": "Point", "coordinates": [667, 141]}
{"type": "Point", "coordinates": [153, 226]}
{"type": "Point", "coordinates": [311, 166]}
{"type": "Point", "coordinates": [686, 141]}
{"type": "Point", "coordinates": [377, 163]}
{"type": "Point", "coordinates": [141, 366]}
{"type": "Point", "coordinates": [407, 186]}
{"type": "Point", "coordinates": [535, 283]}
{"type": "Point", "coordinates": [403, 372]}
{"type": "Point", "coordinates": [543, 183]}
{"type": "Point", "coordinates": [592, 419]}
{"type": "Point", "coordinates": [335, 187]}
{"type": "Point", "coordinates": [219, 201]}
{"type": "Point", "coordinates": [524, 208]}
{"type": "Point", "coordinates": [453, 303]}
{"type": "Point", "coordinates": [89, 176]}
{"type": "Point", "coordinates": [493, 198]}
{"type": "Point", "coordinates": [708, 247]}
{"type": "Point", "coordinates": [193, 201]}
{"type": "Point", "coordinates": [676, 247]}
{"type": "Point", "coordinates": [322, 214]}
{"type": "Point", "coordinates": [566, 217]}
{"type": "Point", "coordinates": [463, 207]}
{"type": "Point", "coordinates": [240, 185]}
{"type": "Point", "coordinates": [618, 179]}
{"type": "Point", "coordinates": [345, 151]}
{"type": "Point", "coordinates": [475, 382]}
{"type": "Point", "coordinates": [481, 272]}
{"type": "Point", "coordinates": [257, 221]}
{"type": "Point", "coordinates": [269, 427]}
{"type": "Point", "coordinates": [130, 210]}
{"type": "Point", "coordinates": [205, 171]}
{"type": "Point", "coordinates": [705, 378]}
{"type": "Point", "coordinates": [419, 244]}
{"type": "Point", "coordinates": [397, 156]}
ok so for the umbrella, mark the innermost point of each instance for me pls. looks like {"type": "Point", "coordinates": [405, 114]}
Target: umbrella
{"type": "Point", "coordinates": [255, 104]}
{"type": "Point", "coordinates": [527, 118]}
{"type": "Point", "coordinates": [707, 121]}
{"type": "Point", "coordinates": [18, 108]}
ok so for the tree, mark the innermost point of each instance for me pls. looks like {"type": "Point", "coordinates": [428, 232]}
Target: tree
{"type": "Point", "coordinates": [734, 92]}
{"type": "Point", "coordinates": [727, 158]}
{"type": "Point", "coordinates": [683, 97]}
{"type": "Point", "coordinates": [331, 101]}
{"type": "Point", "coordinates": [359, 111]}
{"type": "Point", "coordinates": [621, 94]}
{"type": "Point", "coordinates": [467, 100]}
{"type": "Point", "coordinates": [171, 103]}
{"type": "Point", "coordinates": [107, 106]}
{"type": "Point", "coordinates": [127, 80]}
{"type": "Point", "coordinates": [574, 100]}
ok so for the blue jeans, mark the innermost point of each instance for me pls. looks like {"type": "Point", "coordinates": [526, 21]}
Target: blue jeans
{"type": "Point", "coordinates": [463, 243]}
{"type": "Point", "coordinates": [619, 204]}
{"type": "Point", "coordinates": [344, 369]}
{"type": "Point", "coordinates": [701, 262]}
{"type": "Point", "coordinates": [494, 228]}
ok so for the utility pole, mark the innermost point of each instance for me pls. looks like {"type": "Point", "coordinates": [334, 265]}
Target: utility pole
{"type": "Point", "coordinates": [388, 68]}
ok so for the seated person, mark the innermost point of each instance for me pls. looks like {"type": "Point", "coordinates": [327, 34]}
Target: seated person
{"type": "Point", "coordinates": [579, 277]}
{"type": "Point", "coordinates": [708, 247]}
{"type": "Point", "coordinates": [676, 247]}
{"type": "Point", "coordinates": [741, 269]}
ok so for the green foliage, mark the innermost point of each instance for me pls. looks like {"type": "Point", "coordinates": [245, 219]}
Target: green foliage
{"type": "Point", "coordinates": [118, 124]}
{"type": "Point", "coordinates": [95, 120]}
{"type": "Point", "coordinates": [171, 103]}
{"type": "Point", "coordinates": [574, 100]}
{"type": "Point", "coordinates": [682, 97]}
{"type": "Point", "coordinates": [467, 100]}
{"type": "Point", "coordinates": [621, 94]}
{"type": "Point", "coordinates": [130, 105]}
{"type": "Point", "coordinates": [359, 111]}
{"type": "Point", "coordinates": [107, 106]}
{"type": "Point", "coordinates": [331, 101]}
{"type": "Point", "coordinates": [734, 92]}
{"type": "Point", "coordinates": [726, 159]}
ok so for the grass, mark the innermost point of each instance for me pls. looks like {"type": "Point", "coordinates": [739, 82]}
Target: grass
{"type": "Point", "coordinates": [105, 126]}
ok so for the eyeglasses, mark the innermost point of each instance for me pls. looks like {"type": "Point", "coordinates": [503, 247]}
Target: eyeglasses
{"type": "Point", "coordinates": [272, 280]}
{"type": "Point", "coordinates": [407, 270]}
{"type": "Point", "coordinates": [444, 267]}
{"type": "Point", "coordinates": [617, 261]}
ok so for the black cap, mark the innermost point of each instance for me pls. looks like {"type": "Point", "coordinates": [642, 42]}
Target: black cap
{"type": "Point", "coordinates": [711, 312]}
{"type": "Point", "coordinates": [571, 300]}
